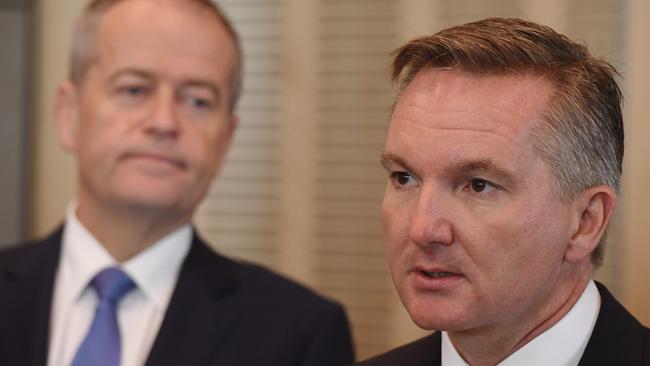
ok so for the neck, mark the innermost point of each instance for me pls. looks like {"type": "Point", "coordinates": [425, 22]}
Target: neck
{"type": "Point", "coordinates": [126, 232]}
{"type": "Point", "coordinates": [491, 346]}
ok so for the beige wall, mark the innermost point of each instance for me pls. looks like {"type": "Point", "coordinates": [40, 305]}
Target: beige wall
{"type": "Point", "coordinates": [636, 200]}
{"type": "Point", "coordinates": [52, 170]}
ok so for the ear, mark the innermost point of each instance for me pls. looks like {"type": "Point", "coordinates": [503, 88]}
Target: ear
{"type": "Point", "coordinates": [594, 208]}
{"type": "Point", "coordinates": [66, 110]}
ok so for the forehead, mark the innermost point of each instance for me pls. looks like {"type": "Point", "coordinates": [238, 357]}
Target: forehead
{"type": "Point", "coordinates": [168, 36]}
{"type": "Point", "coordinates": [454, 114]}
{"type": "Point", "coordinates": [450, 99]}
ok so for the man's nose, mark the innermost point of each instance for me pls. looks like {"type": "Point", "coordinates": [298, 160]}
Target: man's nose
{"type": "Point", "coordinates": [163, 121]}
{"type": "Point", "coordinates": [429, 221]}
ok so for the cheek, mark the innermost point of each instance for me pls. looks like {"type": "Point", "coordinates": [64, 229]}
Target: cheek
{"type": "Point", "coordinates": [94, 147]}
{"type": "Point", "coordinates": [99, 128]}
{"type": "Point", "coordinates": [523, 243]}
{"type": "Point", "coordinates": [206, 150]}
{"type": "Point", "coordinates": [395, 220]}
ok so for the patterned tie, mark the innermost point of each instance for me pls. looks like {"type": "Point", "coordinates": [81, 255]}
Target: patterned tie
{"type": "Point", "coordinates": [101, 347]}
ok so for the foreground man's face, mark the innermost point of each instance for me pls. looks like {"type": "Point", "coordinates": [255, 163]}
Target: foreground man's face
{"type": "Point", "coordinates": [476, 237]}
{"type": "Point", "coordinates": [152, 121]}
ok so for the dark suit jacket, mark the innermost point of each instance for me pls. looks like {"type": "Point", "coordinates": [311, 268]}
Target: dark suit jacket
{"type": "Point", "coordinates": [618, 339]}
{"type": "Point", "coordinates": [221, 313]}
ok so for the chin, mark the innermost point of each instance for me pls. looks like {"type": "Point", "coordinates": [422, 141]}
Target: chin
{"type": "Point", "coordinates": [430, 321]}
{"type": "Point", "coordinates": [154, 200]}
{"type": "Point", "coordinates": [437, 315]}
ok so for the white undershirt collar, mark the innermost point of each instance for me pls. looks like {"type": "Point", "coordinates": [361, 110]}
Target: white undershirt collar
{"type": "Point", "coordinates": [149, 269]}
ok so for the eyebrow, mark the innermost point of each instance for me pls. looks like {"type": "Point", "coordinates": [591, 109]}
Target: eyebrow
{"type": "Point", "coordinates": [130, 72]}
{"type": "Point", "coordinates": [485, 165]}
{"type": "Point", "coordinates": [388, 159]}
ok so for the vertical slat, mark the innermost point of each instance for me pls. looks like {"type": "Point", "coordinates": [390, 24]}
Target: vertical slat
{"type": "Point", "coordinates": [635, 199]}
{"type": "Point", "coordinates": [354, 99]}
{"type": "Point", "coordinates": [299, 151]}
{"type": "Point", "coordinates": [240, 216]}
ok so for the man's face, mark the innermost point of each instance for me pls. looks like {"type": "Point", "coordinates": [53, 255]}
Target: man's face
{"type": "Point", "coordinates": [150, 123]}
{"type": "Point", "coordinates": [475, 234]}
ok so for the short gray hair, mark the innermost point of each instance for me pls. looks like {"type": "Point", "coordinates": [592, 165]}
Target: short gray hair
{"type": "Point", "coordinates": [85, 34]}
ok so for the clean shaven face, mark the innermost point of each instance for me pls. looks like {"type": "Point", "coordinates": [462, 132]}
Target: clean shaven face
{"type": "Point", "coordinates": [151, 121]}
{"type": "Point", "coordinates": [476, 236]}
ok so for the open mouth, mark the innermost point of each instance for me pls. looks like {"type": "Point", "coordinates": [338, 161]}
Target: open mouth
{"type": "Point", "coordinates": [438, 274]}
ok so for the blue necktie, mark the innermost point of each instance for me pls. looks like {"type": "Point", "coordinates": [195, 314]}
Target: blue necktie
{"type": "Point", "coordinates": [101, 347]}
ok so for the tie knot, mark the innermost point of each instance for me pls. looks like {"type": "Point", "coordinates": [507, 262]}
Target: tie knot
{"type": "Point", "coordinates": [111, 284]}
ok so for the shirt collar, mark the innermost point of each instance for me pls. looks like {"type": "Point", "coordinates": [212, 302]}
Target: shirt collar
{"type": "Point", "coordinates": [155, 268]}
{"type": "Point", "coordinates": [563, 344]}
{"type": "Point", "coordinates": [153, 271]}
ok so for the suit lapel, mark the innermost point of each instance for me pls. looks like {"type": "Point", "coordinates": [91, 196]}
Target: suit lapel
{"type": "Point", "coordinates": [27, 281]}
{"type": "Point", "coordinates": [201, 312]}
{"type": "Point", "coordinates": [434, 355]}
{"type": "Point", "coordinates": [617, 338]}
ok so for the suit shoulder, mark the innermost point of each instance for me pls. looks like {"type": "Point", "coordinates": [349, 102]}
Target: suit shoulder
{"type": "Point", "coordinates": [255, 282]}
{"type": "Point", "coordinates": [27, 252]}
{"type": "Point", "coordinates": [423, 351]}
{"type": "Point", "coordinates": [259, 279]}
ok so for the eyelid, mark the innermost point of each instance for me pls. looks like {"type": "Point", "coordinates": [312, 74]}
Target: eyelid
{"type": "Point", "coordinates": [395, 175]}
{"type": "Point", "coordinates": [493, 184]}
{"type": "Point", "coordinates": [129, 79]}
{"type": "Point", "coordinates": [131, 91]}
{"type": "Point", "coordinates": [203, 103]}
{"type": "Point", "coordinates": [492, 188]}
{"type": "Point", "coordinates": [197, 93]}
{"type": "Point", "coordinates": [124, 85]}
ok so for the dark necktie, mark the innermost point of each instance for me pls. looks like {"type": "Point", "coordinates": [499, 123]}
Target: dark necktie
{"type": "Point", "coordinates": [101, 346]}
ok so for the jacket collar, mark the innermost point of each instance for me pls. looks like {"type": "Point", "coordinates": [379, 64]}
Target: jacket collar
{"type": "Point", "coordinates": [27, 272]}
{"type": "Point", "coordinates": [202, 310]}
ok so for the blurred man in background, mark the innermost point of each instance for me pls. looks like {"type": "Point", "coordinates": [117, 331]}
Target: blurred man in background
{"type": "Point", "coordinates": [149, 114]}
{"type": "Point", "coordinates": [504, 156]}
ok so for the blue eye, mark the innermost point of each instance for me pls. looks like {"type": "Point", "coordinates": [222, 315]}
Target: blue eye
{"type": "Point", "coordinates": [199, 103]}
{"type": "Point", "coordinates": [134, 90]}
{"type": "Point", "coordinates": [196, 102]}
{"type": "Point", "coordinates": [131, 94]}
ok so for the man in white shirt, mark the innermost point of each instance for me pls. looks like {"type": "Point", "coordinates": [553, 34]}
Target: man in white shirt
{"type": "Point", "coordinates": [149, 114]}
{"type": "Point", "coordinates": [504, 155]}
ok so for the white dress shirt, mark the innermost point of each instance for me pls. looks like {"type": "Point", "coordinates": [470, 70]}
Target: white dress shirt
{"type": "Point", "coordinates": [140, 312]}
{"type": "Point", "coordinates": [561, 345]}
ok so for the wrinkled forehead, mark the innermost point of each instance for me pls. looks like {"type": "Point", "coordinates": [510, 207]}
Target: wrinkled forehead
{"type": "Point", "coordinates": [452, 99]}
{"type": "Point", "coordinates": [164, 33]}
{"type": "Point", "coordinates": [450, 118]}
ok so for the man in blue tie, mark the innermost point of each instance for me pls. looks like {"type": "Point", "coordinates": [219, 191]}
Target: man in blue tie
{"type": "Point", "coordinates": [148, 112]}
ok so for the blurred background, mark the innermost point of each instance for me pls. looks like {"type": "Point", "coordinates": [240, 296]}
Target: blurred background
{"type": "Point", "coordinates": [302, 188]}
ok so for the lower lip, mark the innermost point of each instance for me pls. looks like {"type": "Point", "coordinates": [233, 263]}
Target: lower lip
{"type": "Point", "coordinates": [153, 164]}
{"type": "Point", "coordinates": [423, 282]}
{"type": "Point", "coordinates": [153, 159]}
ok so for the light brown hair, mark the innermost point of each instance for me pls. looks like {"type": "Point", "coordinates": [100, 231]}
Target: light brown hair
{"type": "Point", "coordinates": [581, 135]}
